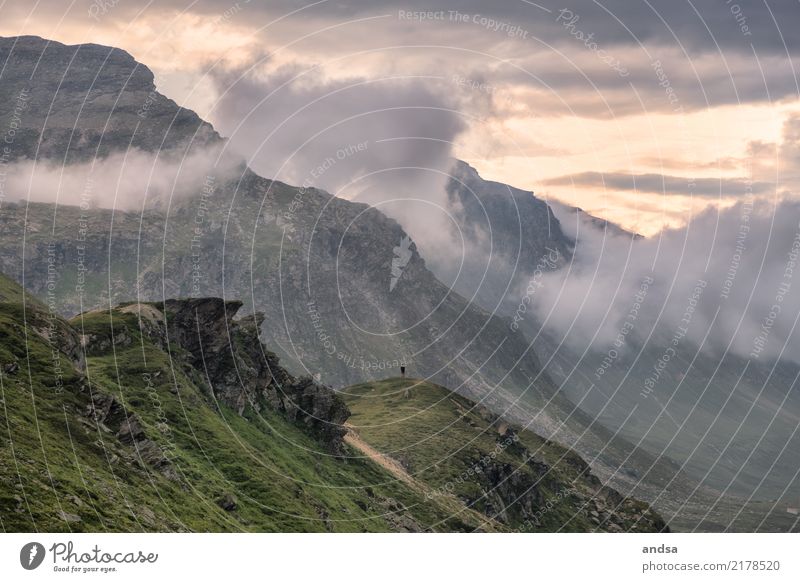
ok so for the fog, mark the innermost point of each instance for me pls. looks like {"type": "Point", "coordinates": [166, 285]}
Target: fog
{"type": "Point", "coordinates": [385, 141]}
{"type": "Point", "coordinates": [730, 280]}
{"type": "Point", "coordinates": [126, 181]}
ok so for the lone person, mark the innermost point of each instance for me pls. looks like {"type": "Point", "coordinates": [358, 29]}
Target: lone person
{"type": "Point", "coordinates": [407, 393]}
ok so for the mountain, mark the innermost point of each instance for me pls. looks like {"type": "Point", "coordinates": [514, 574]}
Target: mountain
{"type": "Point", "coordinates": [323, 270]}
{"type": "Point", "coordinates": [578, 218]}
{"type": "Point", "coordinates": [319, 267]}
{"type": "Point", "coordinates": [344, 293]}
{"type": "Point", "coordinates": [507, 234]}
{"type": "Point", "coordinates": [179, 419]}
{"type": "Point", "coordinates": [728, 423]}
{"type": "Point", "coordinates": [74, 103]}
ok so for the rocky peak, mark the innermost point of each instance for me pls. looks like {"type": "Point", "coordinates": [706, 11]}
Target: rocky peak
{"type": "Point", "coordinates": [102, 68]}
{"type": "Point", "coordinates": [508, 234]}
{"type": "Point", "coordinates": [73, 103]}
{"type": "Point", "coordinates": [519, 222]}
{"type": "Point", "coordinates": [228, 354]}
{"type": "Point", "coordinates": [202, 326]}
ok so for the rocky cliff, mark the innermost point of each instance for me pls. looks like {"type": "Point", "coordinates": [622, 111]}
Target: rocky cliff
{"type": "Point", "coordinates": [75, 103]}
{"type": "Point", "coordinates": [226, 357]}
{"type": "Point", "coordinates": [241, 371]}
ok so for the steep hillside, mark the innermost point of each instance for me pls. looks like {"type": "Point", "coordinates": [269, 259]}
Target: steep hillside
{"type": "Point", "coordinates": [462, 450]}
{"type": "Point", "coordinates": [173, 416]}
{"type": "Point", "coordinates": [147, 438]}
{"type": "Point", "coordinates": [736, 449]}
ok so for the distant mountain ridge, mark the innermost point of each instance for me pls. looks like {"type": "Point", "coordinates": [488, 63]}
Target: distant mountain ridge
{"type": "Point", "coordinates": [734, 456]}
{"type": "Point", "coordinates": [319, 268]}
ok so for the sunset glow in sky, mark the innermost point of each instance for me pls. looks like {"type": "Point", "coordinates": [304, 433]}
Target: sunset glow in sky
{"type": "Point", "coordinates": [628, 110]}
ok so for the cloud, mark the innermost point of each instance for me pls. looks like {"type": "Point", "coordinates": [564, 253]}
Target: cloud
{"type": "Point", "coordinates": [663, 184]}
{"type": "Point", "coordinates": [721, 164]}
{"type": "Point", "coordinates": [129, 180]}
{"type": "Point", "coordinates": [385, 141]}
{"type": "Point", "coordinates": [297, 126]}
{"type": "Point", "coordinates": [712, 53]}
{"type": "Point", "coordinates": [743, 259]}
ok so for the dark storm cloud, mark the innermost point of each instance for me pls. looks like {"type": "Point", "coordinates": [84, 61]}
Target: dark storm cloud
{"type": "Point", "coordinates": [699, 26]}
{"type": "Point", "coordinates": [593, 59]}
{"type": "Point", "coordinates": [663, 184]}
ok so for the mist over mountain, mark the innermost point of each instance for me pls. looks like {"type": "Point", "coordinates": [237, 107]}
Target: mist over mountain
{"type": "Point", "coordinates": [471, 284]}
{"type": "Point", "coordinates": [672, 341]}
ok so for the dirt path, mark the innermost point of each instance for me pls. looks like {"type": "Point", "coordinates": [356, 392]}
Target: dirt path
{"type": "Point", "coordinates": [446, 501]}
{"type": "Point", "coordinates": [353, 439]}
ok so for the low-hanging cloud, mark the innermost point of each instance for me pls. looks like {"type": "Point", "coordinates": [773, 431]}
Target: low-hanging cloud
{"type": "Point", "coordinates": [384, 141]}
{"type": "Point", "coordinates": [130, 180]}
{"type": "Point", "coordinates": [729, 280]}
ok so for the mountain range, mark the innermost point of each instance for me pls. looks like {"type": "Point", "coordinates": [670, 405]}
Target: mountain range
{"type": "Point", "coordinates": [145, 280]}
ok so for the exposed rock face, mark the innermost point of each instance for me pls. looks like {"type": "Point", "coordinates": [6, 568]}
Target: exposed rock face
{"type": "Point", "coordinates": [508, 490]}
{"type": "Point", "coordinates": [514, 496]}
{"type": "Point", "coordinates": [522, 225]}
{"type": "Point", "coordinates": [85, 101]}
{"type": "Point", "coordinates": [226, 355]}
{"type": "Point", "coordinates": [45, 322]}
{"type": "Point", "coordinates": [508, 234]}
{"type": "Point", "coordinates": [317, 406]}
{"type": "Point", "coordinates": [111, 416]}
{"type": "Point", "coordinates": [229, 355]}
{"type": "Point", "coordinates": [227, 502]}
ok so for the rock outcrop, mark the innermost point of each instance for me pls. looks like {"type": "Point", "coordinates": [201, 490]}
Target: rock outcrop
{"type": "Point", "coordinates": [110, 416]}
{"type": "Point", "coordinates": [228, 355]}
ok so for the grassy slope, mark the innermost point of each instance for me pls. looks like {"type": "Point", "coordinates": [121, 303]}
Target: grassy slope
{"type": "Point", "coordinates": [61, 470]}
{"type": "Point", "coordinates": [57, 464]}
{"type": "Point", "coordinates": [439, 436]}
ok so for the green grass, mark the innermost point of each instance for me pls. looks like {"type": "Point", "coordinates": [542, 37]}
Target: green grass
{"type": "Point", "coordinates": [55, 458]}
{"type": "Point", "coordinates": [12, 293]}
{"type": "Point", "coordinates": [439, 436]}
{"type": "Point", "coordinates": [63, 471]}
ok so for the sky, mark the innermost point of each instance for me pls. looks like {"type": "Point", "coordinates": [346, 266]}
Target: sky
{"type": "Point", "coordinates": [646, 113]}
